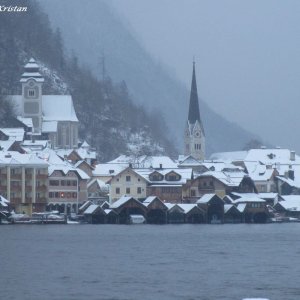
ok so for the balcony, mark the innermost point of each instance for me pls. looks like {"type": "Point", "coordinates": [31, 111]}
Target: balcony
{"type": "Point", "coordinates": [41, 188]}
{"type": "Point", "coordinates": [15, 200]}
{"type": "Point", "coordinates": [41, 200]}
{"type": "Point", "coordinates": [41, 176]}
{"type": "Point", "coordinates": [28, 200]}
{"type": "Point", "coordinates": [28, 188]}
{"type": "Point", "coordinates": [16, 176]}
{"type": "Point", "coordinates": [16, 188]}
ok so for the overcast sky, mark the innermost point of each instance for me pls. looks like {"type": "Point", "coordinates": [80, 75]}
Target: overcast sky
{"type": "Point", "coordinates": [247, 56]}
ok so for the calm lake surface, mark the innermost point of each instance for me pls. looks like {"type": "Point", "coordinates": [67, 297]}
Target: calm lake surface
{"type": "Point", "coordinates": [207, 262]}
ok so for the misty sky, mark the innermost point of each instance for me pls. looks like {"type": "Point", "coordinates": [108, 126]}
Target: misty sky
{"type": "Point", "coordinates": [247, 55]}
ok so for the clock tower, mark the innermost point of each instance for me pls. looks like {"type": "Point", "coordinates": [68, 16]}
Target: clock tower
{"type": "Point", "coordinates": [32, 82]}
{"type": "Point", "coordinates": [194, 136]}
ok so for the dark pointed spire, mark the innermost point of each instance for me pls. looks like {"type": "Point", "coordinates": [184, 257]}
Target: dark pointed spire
{"type": "Point", "coordinates": [194, 113]}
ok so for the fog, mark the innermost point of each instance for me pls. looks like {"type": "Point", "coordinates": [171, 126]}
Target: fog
{"type": "Point", "coordinates": [247, 55]}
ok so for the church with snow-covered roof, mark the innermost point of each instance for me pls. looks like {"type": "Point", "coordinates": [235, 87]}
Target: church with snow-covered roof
{"type": "Point", "coordinates": [50, 117]}
{"type": "Point", "coordinates": [194, 136]}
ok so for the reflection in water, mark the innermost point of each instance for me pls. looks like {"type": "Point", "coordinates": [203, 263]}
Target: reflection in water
{"type": "Point", "coordinates": [206, 262]}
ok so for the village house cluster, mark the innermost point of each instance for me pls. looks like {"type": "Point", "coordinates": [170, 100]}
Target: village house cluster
{"type": "Point", "coordinates": [44, 167]}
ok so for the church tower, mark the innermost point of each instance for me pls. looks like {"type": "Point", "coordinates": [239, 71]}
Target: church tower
{"type": "Point", "coordinates": [32, 82]}
{"type": "Point", "coordinates": [194, 136]}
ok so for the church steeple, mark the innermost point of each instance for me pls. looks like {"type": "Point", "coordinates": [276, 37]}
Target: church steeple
{"type": "Point", "coordinates": [194, 113]}
{"type": "Point", "coordinates": [194, 133]}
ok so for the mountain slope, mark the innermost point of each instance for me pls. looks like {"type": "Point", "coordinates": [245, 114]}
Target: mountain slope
{"type": "Point", "coordinates": [94, 29]}
{"type": "Point", "coordinates": [108, 118]}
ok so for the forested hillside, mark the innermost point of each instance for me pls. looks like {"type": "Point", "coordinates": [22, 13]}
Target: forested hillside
{"type": "Point", "coordinates": [109, 120]}
{"type": "Point", "coordinates": [95, 30]}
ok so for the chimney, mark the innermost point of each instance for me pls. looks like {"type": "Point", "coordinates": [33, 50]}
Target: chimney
{"type": "Point", "coordinates": [292, 155]}
{"type": "Point", "coordinates": [291, 174]}
{"type": "Point", "coordinates": [130, 165]}
{"type": "Point", "coordinates": [160, 166]}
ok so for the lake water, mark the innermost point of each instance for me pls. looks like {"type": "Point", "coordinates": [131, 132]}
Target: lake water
{"type": "Point", "coordinates": [207, 262]}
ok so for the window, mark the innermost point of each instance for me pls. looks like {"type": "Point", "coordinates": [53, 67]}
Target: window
{"type": "Point", "coordinates": [62, 182]}
{"type": "Point", "coordinates": [139, 190]}
{"type": "Point", "coordinates": [54, 182]}
{"type": "Point", "coordinates": [68, 182]}
{"type": "Point", "coordinates": [117, 190]}
{"type": "Point", "coordinates": [211, 183]}
{"type": "Point", "coordinates": [74, 195]}
{"type": "Point", "coordinates": [74, 183]}
{"type": "Point", "coordinates": [31, 93]}
{"type": "Point", "coordinates": [51, 194]}
{"type": "Point", "coordinates": [62, 195]}
{"type": "Point", "coordinates": [128, 178]}
{"type": "Point", "coordinates": [127, 190]}
{"type": "Point", "coordinates": [56, 194]}
{"type": "Point", "coordinates": [193, 193]}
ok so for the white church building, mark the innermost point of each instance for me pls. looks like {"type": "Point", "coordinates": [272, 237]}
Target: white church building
{"type": "Point", "coordinates": [51, 117]}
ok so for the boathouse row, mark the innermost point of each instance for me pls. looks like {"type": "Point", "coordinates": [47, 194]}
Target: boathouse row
{"type": "Point", "coordinates": [209, 209]}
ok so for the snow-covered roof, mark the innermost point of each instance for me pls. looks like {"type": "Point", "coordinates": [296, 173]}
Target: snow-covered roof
{"type": "Point", "coordinates": [108, 169]}
{"type": "Point", "coordinates": [241, 207]}
{"type": "Point", "coordinates": [188, 161]}
{"type": "Point", "coordinates": [108, 211]}
{"type": "Point", "coordinates": [149, 200]}
{"type": "Point", "coordinates": [49, 126]}
{"type": "Point", "coordinates": [271, 156]}
{"type": "Point", "coordinates": [205, 198]}
{"type": "Point", "coordinates": [227, 178]}
{"type": "Point", "coordinates": [221, 166]}
{"type": "Point", "coordinates": [18, 159]}
{"type": "Point", "coordinates": [38, 144]}
{"type": "Point", "coordinates": [3, 202]}
{"type": "Point", "coordinates": [85, 205]}
{"type": "Point", "coordinates": [91, 209]}
{"type": "Point", "coordinates": [290, 182]}
{"type": "Point", "coordinates": [259, 172]}
{"type": "Point", "coordinates": [254, 195]}
{"type": "Point", "coordinates": [85, 145]}
{"type": "Point", "coordinates": [26, 121]}
{"type": "Point", "coordinates": [14, 134]}
{"type": "Point", "coordinates": [55, 163]}
{"type": "Point", "coordinates": [145, 161]}
{"type": "Point", "coordinates": [187, 207]}
{"type": "Point", "coordinates": [85, 153]}
{"type": "Point", "coordinates": [248, 199]}
{"type": "Point", "coordinates": [227, 207]}
{"type": "Point", "coordinates": [5, 145]}
{"type": "Point", "coordinates": [185, 175]}
{"type": "Point", "coordinates": [121, 201]}
{"type": "Point", "coordinates": [32, 64]}
{"type": "Point", "coordinates": [101, 184]}
{"type": "Point", "coordinates": [66, 111]}
{"type": "Point", "coordinates": [291, 202]}
{"type": "Point", "coordinates": [170, 205]}
{"type": "Point", "coordinates": [229, 156]}
{"type": "Point", "coordinates": [65, 169]}
{"type": "Point", "coordinates": [51, 103]}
